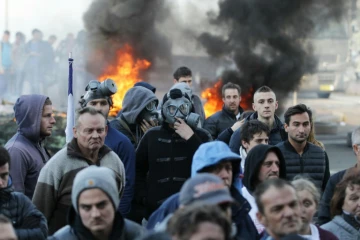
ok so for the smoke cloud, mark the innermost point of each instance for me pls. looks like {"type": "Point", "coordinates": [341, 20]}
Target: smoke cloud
{"type": "Point", "coordinates": [113, 23]}
{"type": "Point", "coordinates": [267, 39]}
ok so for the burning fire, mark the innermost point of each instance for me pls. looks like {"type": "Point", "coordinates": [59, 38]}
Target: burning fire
{"type": "Point", "coordinates": [214, 100]}
{"type": "Point", "coordinates": [125, 73]}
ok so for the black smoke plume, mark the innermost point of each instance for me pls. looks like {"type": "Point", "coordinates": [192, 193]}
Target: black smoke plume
{"type": "Point", "coordinates": [266, 39]}
{"type": "Point", "coordinates": [113, 23]}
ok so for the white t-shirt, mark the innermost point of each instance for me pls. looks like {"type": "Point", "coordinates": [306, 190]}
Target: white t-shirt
{"type": "Point", "coordinates": [314, 233]}
{"type": "Point", "coordinates": [254, 209]}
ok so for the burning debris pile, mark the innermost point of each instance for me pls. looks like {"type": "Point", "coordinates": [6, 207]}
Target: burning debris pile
{"type": "Point", "coordinates": [124, 41]}
{"type": "Point", "coordinates": [267, 39]}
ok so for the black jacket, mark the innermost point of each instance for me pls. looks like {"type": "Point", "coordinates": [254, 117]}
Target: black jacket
{"type": "Point", "coordinates": [220, 121]}
{"type": "Point", "coordinates": [29, 223]}
{"type": "Point", "coordinates": [254, 160]}
{"type": "Point", "coordinates": [277, 134]}
{"type": "Point", "coordinates": [313, 162]}
{"type": "Point", "coordinates": [132, 131]}
{"type": "Point", "coordinates": [240, 216]}
{"type": "Point", "coordinates": [324, 215]}
{"type": "Point", "coordinates": [163, 164]}
{"type": "Point", "coordinates": [122, 229]}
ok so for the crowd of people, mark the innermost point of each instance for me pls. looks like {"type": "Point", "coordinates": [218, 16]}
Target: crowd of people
{"type": "Point", "coordinates": [161, 170]}
{"type": "Point", "coordinates": [36, 65]}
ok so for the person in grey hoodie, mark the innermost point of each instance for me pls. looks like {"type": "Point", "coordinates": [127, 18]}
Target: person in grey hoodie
{"type": "Point", "coordinates": [345, 208]}
{"type": "Point", "coordinates": [34, 117]}
{"type": "Point", "coordinates": [138, 114]}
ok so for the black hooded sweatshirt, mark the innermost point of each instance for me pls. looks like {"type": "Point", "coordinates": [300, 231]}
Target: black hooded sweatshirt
{"type": "Point", "coordinates": [254, 160]}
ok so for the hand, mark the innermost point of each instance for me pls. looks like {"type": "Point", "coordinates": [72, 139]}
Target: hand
{"type": "Point", "coordinates": [237, 125]}
{"type": "Point", "coordinates": [145, 125]}
{"type": "Point", "coordinates": [183, 129]}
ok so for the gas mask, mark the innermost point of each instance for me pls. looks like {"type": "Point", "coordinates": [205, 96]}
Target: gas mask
{"type": "Point", "coordinates": [177, 104]}
{"type": "Point", "coordinates": [96, 90]}
{"type": "Point", "coordinates": [150, 113]}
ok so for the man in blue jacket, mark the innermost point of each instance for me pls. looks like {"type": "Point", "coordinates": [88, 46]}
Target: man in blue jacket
{"type": "Point", "coordinates": [216, 158]}
{"type": "Point", "coordinates": [98, 96]}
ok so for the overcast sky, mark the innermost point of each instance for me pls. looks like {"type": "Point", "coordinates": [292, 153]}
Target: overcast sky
{"type": "Point", "coordinates": [62, 16]}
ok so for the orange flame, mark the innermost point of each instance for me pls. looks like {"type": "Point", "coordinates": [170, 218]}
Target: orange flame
{"type": "Point", "coordinates": [125, 73]}
{"type": "Point", "coordinates": [213, 98]}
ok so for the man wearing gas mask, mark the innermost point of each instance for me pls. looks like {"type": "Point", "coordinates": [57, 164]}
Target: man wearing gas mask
{"type": "Point", "coordinates": [164, 154]}
{"type": "Point", "coordinates": [138, 114]}
{"type": "Point", "coordinates": [98, 95]}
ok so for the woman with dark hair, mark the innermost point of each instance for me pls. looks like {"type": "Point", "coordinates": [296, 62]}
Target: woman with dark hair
{"type": "Point", "coordinates": [309, 198]}
{"type": "Point", "coordinates": [345, 208]}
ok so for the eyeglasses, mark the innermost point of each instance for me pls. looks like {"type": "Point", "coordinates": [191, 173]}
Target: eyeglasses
{"type": "Point", "coordinates": [151, 106]}
{"type": "Point", "coordinates": [183, 108]}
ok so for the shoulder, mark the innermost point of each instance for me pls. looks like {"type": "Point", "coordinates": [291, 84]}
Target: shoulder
{"type": "Point", "coordinates": [324, 234]}
{"type": "Point", "coordinates": [64, 233]}
{"type": "Point", "coordinates": [132, 229]}
{"type": "Point", "coordinates": [203, 132]}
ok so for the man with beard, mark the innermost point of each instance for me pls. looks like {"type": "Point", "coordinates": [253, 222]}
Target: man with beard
{"type": "Point", "coordinates": [263, 162]}
{"type": "Point", "coordinates": [279, 209]}
{"type": "Point", "coordinates": [52, 194]}
{"type": "Point", "coordinates": [302, 157]}
{"type": "Point", "coordinates": [230, 113]}
{"type": "Point", "coordinates": [35, 120]}
{"type": "Point", "coordinates": [264, 105]}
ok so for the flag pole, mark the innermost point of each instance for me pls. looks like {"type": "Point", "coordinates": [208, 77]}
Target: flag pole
{"type": "Point", "coordinates": [70, 116]}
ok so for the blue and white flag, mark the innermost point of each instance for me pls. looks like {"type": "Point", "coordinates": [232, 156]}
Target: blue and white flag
{"type": "Point", "coordinates": [70, 118]}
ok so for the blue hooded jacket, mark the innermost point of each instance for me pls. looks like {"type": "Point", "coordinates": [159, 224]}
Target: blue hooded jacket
{"type": "Point", "coordinates": [207, 155]}
{"type": "Point", "coordinates": [27, 154]}
{"type": "Point", "coordinates": [123, 147]}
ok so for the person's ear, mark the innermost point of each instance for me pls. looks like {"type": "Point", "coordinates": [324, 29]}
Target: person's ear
{"type": "Point", "coordinates": [74, 132]}
{"type": "Point", "coordinates": [175, 81]}
{"type": "Point", "coordinates": [245, 144]}
{"type": "Point", "coordinates": [356, 149]}
{"type": "Point", "coordinates": [261, 218]}
{"type": "Point", "coordinates": [276, 105]}
{"type": "Point", "coordinates": [254, 107]}
{"type": "Point", "coordinates": [286, 127]}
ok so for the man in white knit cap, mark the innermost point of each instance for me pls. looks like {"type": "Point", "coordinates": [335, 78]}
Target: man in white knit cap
{"type": "Point", "coordinates": [95, 197]}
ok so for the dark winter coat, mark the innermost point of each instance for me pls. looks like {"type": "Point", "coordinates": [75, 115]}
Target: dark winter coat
{"type": "Point", "coordinates": [313, 163]}
{"type": "Point", "coordinates": [28, 156]}
{"type": "Point", "coordinates": [277, 134]}
{"type": "Point", "coordinates": [29, 223]}
{"type": "Point", "coordinates": [122, 146]}
{"type": "Point", "coordinates": [324, 215]}
{"type": "Point", "coordinates": [220, 121]}
{"type": "Point", "coordinates": [163, 164]}
{"type": "Point", "coordinates": [240, 210]}
{"type": "Point", "coordinates": [122, 229]}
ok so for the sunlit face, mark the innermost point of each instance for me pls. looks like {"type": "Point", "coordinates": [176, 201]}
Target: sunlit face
{"type": "Point", "coordinates": [270, 167]}
{"type": "Point", "coordinates": [96, 211]}
{"type": "Point", "coordinates": [352, 200]}
{"type": "Point", "coordinates": [281, 211]}
{"type": "Point", "coordinates": [231, 99]}
{"type": "Point", "coordinates": [265, 104]}
{"type": "Point", "coordinates": [299, 127]}
{"type": "Point", "coordinates": [4, 175]}
{"type": "Point", "coordinates": [208, 231]}
{"type": "Point", "coordinates": [90, 132]}
{"type": "Point", "coordinates": [187, 80]}
{"type": "Point", "coordinates": [47, 121]}
{"type": "Point", "coordinates": [7, 232]}
{"type": "Point", "coordinates": [259, 138]}
{"type": "Point", "coordinates": [223, 170]}
{"type": "Point", "coordinates": [101, 105]}
{"type": "Point", "coordinates": [308, 207]}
